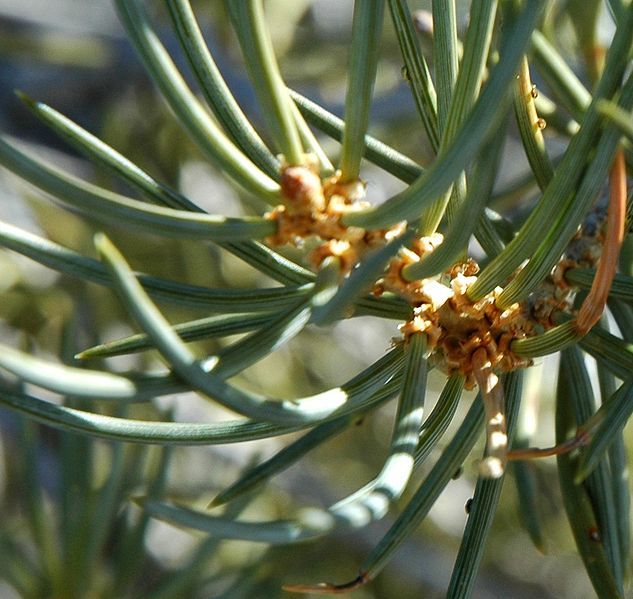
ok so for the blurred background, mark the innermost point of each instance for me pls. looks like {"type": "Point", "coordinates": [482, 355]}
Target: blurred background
{"type": "Point", "coordinates": [74, 56]}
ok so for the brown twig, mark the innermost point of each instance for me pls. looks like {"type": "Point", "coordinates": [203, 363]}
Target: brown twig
{"type": "Point", "coordinates": [593, 305]}
{"type": "Point", "coordinates": [533, 453]}
{"type": "Point", "coordinates": [327, 588]}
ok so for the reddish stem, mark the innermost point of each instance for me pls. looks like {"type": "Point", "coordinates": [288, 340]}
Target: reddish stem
{"type": "Point", "coordinates": [593, 305]}
{"type": "Point", "coordinates": [327, 588]}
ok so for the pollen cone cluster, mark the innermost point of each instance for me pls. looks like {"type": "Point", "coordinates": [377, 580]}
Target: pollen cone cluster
{"type": "Point", "coordinates": [457, 327]}
{"type": "Point", "coordinates": [314, 209]}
